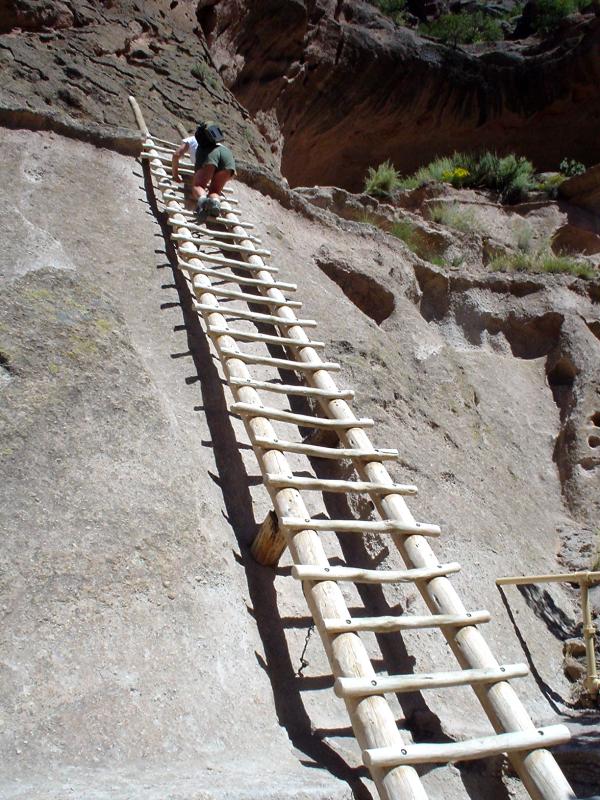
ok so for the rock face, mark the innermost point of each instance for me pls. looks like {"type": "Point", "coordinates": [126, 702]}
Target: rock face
{"type": "Point", "coordinates": [144, 653]}
{"type": "Point", "coordinates": [584, 190]}
{"type": "Point", "coordinates": [338, 87]}
{"type": "Point", "coordinates": [132, 663]}
{"type": "Point", "coordinates": [70, 67]}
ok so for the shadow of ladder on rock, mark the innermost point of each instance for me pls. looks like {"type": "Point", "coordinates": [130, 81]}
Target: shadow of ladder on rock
{"type": "Point", "coordinates": [389, 759]}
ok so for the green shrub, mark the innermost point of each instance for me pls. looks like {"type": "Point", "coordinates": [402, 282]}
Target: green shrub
{"type": "Point", "coordinates": [203, 73]}
{"type": "Point", "coordinates": [543, 260]}
{"type": "Point", "coordinates": [550, 13]}
{"type": "Point", "coordinates": [454, 216]}
{"type": "Point", "coordinates": [366, 218]}
{"type": "Point", "coordinates": [524, 236]}
{"type": "Point", "coordinates": [551, 184]}
{"type": "Point", "coordinates": [438, 261]}
{"type": "Point", "coordinates": [554, 264]}
{"type": "Point", "coordinates": [382, 181]}
{"type": "Point", "coordinates": [464, 28]}
{"type": "Point", "coordinates": [394, 9]}
{"type": "Point", "coordinates": [457, 177]}
{"type": "Point", "coordinates": [510, 176]}
{"type": "Point", "coordinates": [434, 171]}
{"type": "Point", "coordinates": [569, 167]}
{"type": "Point", "coordinates": [437, 170]}
{"type": "Point", "coordinates": [406, 231]}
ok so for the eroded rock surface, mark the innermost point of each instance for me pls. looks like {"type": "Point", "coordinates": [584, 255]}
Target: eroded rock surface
{"type": "Point", "coordinates": [70, 66]}
{"type": "Point", "coordinates": [339, 87]}
{"type": "Point", "coordinates": [144, 653]}
{"type": "Point", "coordinates": [132, 663]}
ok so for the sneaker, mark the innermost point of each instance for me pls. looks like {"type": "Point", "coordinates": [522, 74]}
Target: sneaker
{"type": "Point", "coordinates": [201, 206]}
{"type": "Point", "coordinates": [213, 207]}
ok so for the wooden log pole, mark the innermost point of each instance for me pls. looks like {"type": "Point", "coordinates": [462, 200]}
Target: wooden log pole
{"type": "Point", "coordinates": [559, 577]}
{"type": "Point", "coordinates": [589, 637]}
{"type": "Point", "coordinates": [269, 543]}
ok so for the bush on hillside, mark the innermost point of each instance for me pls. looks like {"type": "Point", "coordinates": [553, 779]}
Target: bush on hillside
{"type": "Point", "coordinates": [569, 167]}
{"type": "Point", "coordinates": [550, 13]}
{"type": "Point", "coordinates": [454, 216]}
{"type": "Point", "coordinates": [464, 28]}
{"type": "Point", "coordinates": [382, 181]}
{"type": "Point", "coordinates": [544, 261]}
{"type": "Point", "coordinates": [394, 9]}
{"type": "Point", "coordinates": [510, 176]}
{"type": "Point", "coordinates": [550, 185]}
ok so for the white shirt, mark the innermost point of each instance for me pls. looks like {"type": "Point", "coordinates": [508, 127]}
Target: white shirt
{"type": "Point", "coordinates": [192, 146]}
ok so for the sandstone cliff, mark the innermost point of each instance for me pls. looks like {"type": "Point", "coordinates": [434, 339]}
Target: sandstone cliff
{"type": "Point", "coordinates": [339, 87]}
{"type": "Point", "coordinates": [144, 653]}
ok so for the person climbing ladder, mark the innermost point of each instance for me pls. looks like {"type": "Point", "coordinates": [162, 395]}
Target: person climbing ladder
{"type": "Point", "coordinates": [214, 165]}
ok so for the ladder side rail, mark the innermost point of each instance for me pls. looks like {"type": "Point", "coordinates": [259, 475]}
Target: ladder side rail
{"type": "Point", "coordinates": [538, 770]}
{"type": "Point", "coordinates": [372, 718]}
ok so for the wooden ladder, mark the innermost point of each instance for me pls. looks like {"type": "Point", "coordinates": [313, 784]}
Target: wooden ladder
{"type": "Point", "coordinates": [390, 759]}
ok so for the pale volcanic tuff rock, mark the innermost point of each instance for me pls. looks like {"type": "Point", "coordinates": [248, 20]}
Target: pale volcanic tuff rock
{"type": "Point", "coordinates": [145, 654]}
{"type": "Point", "coordinates": [338, 87]}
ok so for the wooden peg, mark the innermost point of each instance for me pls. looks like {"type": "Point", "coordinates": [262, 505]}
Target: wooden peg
{"type": "Point", "coordinates": [269, 543]}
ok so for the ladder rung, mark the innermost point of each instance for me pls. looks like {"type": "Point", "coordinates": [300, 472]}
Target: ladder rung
{"type": "Point", "coordinates": [360, 526]}
{"type": "Point", "coordinates": [306, 420]}
{"type": "Point", "coordinates": [228, 262]}
{"type": "Point", "coordinates": [449, 752]}
{"type": "Point", "coordinates": [293, 389]}
{"type": "Point", "coordinates": [153, 146]}
{"type": "Point", "coordinates": [233, 248]}
{"type": "Point", "coordinates": [193, 226]}
{"type": "Point", "coordinates": [259, 299]}
{"type": "Point", "coordinates": [187, 212]}
{"type": "Point", "coordinates": [405, 622]}
{"type": "Point", "coordinates": [383, 684]}
{"type": "Point", "coordinates": [176, 194]}
{"type": "Point", "coordinates": [226, 235]}
{"type": "Point", "coordinates": [228, 277]}
{"type": "Point", "coordinates": [280, 363]}
{"type": "Point", "coordinates": [171, 148]}
{"type": "Point", "coordinates": [306, 572]}
{"type": "Point", "coordinates": [255, 336]}
{"type": "Point", "coordinates": [327, 485]}
{"type": "Point", "coordinates": [326, 452]}
{"type": "Point", "coordinates": [192, 215]}
{"type": "Point", "coordinates": [255, 315]}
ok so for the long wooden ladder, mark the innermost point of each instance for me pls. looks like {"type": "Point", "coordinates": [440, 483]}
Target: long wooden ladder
{"type": "Point", "coordinates": [202, 259]}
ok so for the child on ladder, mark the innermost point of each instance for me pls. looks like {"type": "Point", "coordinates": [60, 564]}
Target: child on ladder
{"type": "Point", "coordinates": [214, 165]}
